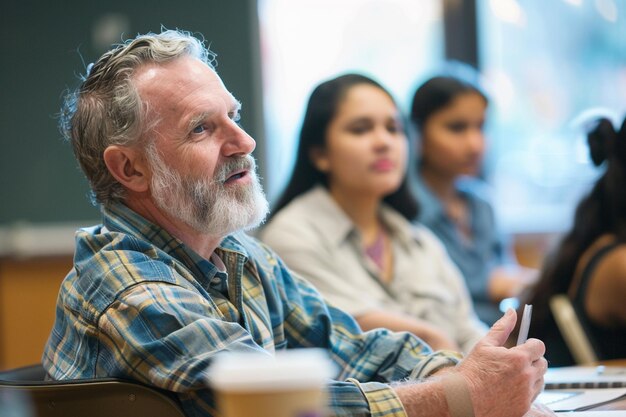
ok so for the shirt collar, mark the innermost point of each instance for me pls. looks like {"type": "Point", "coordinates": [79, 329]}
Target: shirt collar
{"type": "Point", "coordinates": [331, 219]}
{"type": "Point", "coordinates": [339, 227]}
{"type": "Point", "coordinates": [401, 229]}
{"type": "Point", "coordinates": [117, 217]}
{"type": "Point", "coordinates": [431, 208]}
{"type": "Point", "coordinates": [430, 205]}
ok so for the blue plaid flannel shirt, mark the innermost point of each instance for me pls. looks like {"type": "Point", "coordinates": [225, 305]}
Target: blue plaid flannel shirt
{"type": "Point", "coordinates": [141, 305]}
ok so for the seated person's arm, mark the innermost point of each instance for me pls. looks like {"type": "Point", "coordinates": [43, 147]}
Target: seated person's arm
{"type": "Point", "coordinates": [507, 277]}
{"type": "Point", "coordinates": [305, 255]}
{"type": "Point", "coordinates": [398, 322]}
{"type": "Point", "coordinates": [165, 335]}
{"type": "Point", "coordinates": [607, 290]}
{"type": "Point", "coordinates": [366, 362]}
{"type": "Point", "coordinates": [509, 281]}
{"type": "Point", "coordinates": [458, 306]}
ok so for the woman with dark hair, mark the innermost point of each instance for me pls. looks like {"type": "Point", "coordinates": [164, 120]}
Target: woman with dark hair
{"type": "Point", "coordinates": [449, 114]}
{"type": "Point", "coordinates": [343, 221]}
{"type": "Point", "coordinates": [589, 265]}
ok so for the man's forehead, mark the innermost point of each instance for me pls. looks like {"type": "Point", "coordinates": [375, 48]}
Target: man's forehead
{"type": "Point", "coordinates": [176, 70]}
{"type": "Point", "coordinates": [178, 75]}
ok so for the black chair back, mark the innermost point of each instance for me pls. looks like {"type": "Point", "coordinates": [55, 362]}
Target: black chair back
{"type": "Point", "coordinates": [108, 397]}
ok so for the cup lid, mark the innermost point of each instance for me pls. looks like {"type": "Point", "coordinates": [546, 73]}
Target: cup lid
{"type": "Point", "coordinates": [257, 371]}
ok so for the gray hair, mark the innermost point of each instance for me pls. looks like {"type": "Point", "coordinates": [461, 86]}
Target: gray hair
{"type": "Point", "coordinates": [106, 108]}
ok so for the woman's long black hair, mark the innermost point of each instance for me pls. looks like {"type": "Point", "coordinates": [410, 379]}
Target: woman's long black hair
{"type": "Point", "coordinates": [321, 110]}
{"type": "Point", "coordinates": [602, 211]}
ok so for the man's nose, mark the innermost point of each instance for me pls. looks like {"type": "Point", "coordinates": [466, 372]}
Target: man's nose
{"type": "Point", "coordinates": [238, 142]}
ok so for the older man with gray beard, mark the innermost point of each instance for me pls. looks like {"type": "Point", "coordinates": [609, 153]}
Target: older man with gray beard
{"type": "Point", "coordinates": [169, 280]}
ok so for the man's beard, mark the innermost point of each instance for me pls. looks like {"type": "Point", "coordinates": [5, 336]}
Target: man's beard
{"type": "Point", "coordinates": [208, 205]}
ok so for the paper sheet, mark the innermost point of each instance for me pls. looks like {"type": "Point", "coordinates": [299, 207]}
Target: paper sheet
{"type": "Point", "coordinates": [594, 414]}
{"type": "Point", "coordinates": [572, 399]}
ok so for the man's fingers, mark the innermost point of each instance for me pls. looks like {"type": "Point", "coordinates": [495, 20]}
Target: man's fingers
{"type": "Point", "coordinates": [501, 329]}
{"type": "Point", "coordinates": [537, 388]}
{"type": "Point", "coordinates": [541, 364]}
{"type": "Point", "coordinates": [534, 348]}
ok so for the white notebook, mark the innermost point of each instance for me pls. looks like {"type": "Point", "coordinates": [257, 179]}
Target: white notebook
{"type": "Point", "coordinates": [585, 377]}
{"type": "Point", "coordinates": [579, 400]}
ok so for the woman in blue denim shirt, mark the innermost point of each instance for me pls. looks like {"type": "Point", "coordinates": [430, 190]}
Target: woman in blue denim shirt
{"type": "Point", "coordinates": [449, 114]}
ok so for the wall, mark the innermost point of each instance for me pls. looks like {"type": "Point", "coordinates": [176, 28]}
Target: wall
{"type": "Point", "coordinates": [28, 291]}
{"type": "Point", "coordinates": [46, 48]}
{"type": "Point", "coordinates": [43, 195]}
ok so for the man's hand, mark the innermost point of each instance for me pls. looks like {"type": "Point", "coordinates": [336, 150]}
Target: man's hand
{"type": "Point", "coordinates": [501, 381]}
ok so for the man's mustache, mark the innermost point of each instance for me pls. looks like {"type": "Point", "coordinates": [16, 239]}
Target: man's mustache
{"type": "Point", "coordinates": [236, 163]}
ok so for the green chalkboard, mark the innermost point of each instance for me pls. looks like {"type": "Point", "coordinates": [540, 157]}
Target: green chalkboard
{"type": "Point", "coordinates": [47, 44]}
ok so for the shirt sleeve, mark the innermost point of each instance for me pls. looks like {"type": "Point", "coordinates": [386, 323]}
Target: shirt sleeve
{"type": "Point", "coordinates": [373, 358]}
{"type": "Point", "coordinates": [166, 335]}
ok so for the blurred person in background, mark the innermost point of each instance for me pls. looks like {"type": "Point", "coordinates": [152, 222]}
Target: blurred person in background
{"type": "Point", "coordinates": [343, 221]}
{"type": "Point", "coordinates": [449, 114]}
{"type": "Point", "coordinates": [589, 264]}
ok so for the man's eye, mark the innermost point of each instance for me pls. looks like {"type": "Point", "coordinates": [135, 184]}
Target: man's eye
{"type": "Point", "coordinates": [198, 129]}
{"type": "Point", "coordinates": [236, 117]}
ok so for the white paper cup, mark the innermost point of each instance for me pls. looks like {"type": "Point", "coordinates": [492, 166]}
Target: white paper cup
{"type": "Point", "coordinates": [291, 384]}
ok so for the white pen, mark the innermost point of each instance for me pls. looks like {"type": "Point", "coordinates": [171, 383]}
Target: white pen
{"type": "Point", "coordinates": [525, 324]}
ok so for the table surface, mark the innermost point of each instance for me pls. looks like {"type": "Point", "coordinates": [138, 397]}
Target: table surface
{"type": "Point", "coordinates": [615, 405]}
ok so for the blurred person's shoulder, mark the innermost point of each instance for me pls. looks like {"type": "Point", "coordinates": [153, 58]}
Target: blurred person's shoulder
{"type": "Point", "coordinates": [476, 189]}
{"type": "Point", "coordinates": [310, 214]}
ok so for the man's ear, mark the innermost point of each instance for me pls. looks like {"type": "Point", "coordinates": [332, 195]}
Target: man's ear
{"type": "Point", "coordinates": [319, 159]}
{"type": "Point", "coordinates": [128, 166]}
